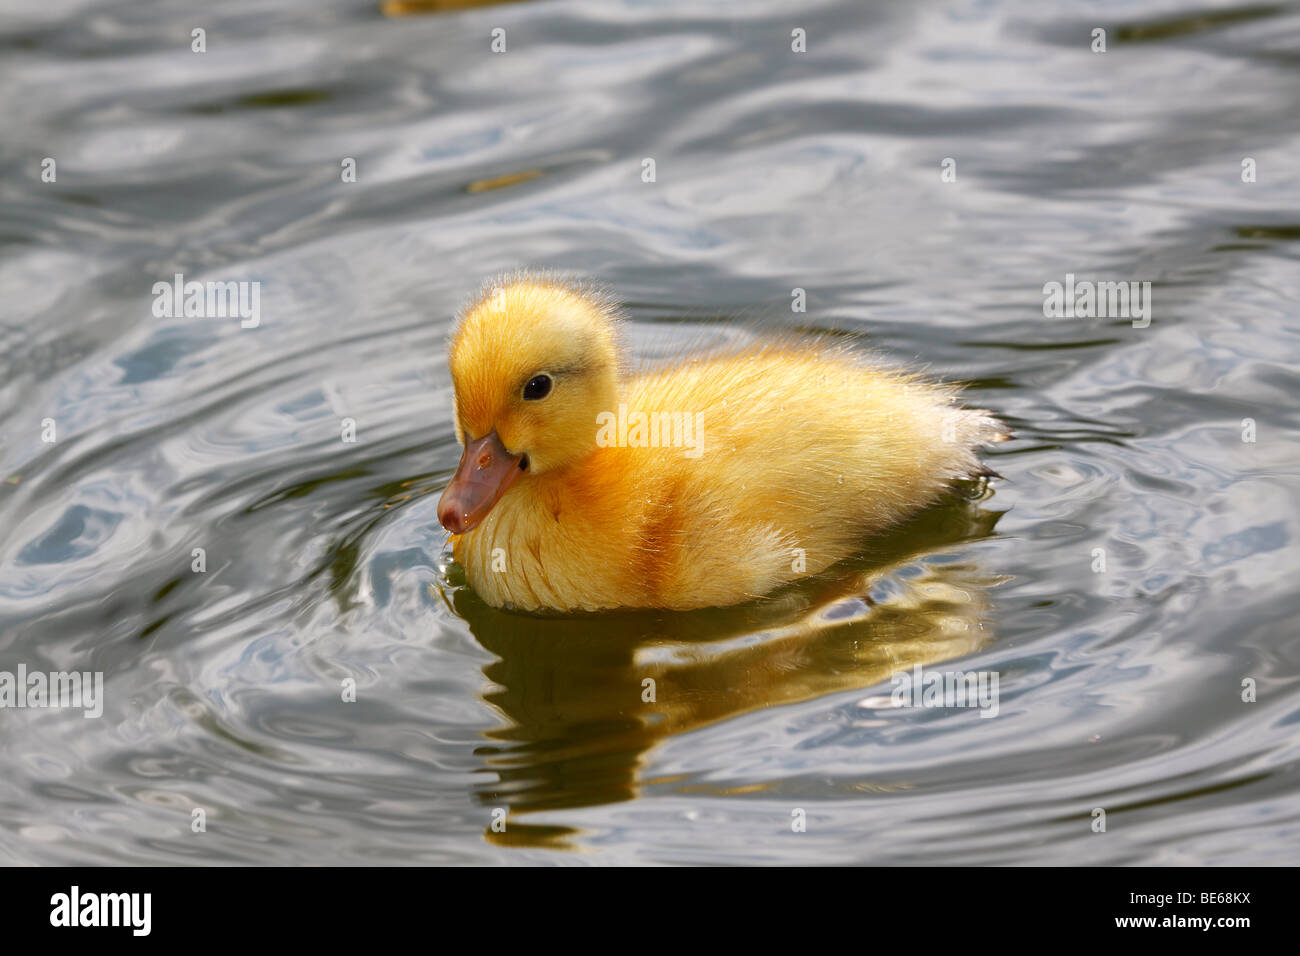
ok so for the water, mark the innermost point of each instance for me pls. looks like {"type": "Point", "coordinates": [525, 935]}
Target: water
{"type": "Point", "coordinates": [1119, 689]}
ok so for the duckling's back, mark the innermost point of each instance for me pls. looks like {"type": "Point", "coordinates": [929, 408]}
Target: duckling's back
{"type": "Point", "coordinates": [790, 456]}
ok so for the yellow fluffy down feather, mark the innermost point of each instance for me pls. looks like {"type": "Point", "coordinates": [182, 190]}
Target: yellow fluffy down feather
{"type": "Point", "coordinates": [703, 484]}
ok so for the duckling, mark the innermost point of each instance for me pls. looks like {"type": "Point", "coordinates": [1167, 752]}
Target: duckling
{"type": "Point", "coordinates": [583, 486]}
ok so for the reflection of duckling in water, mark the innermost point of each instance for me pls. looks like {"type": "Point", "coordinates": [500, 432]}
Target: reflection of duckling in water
{"type": "Point", "coordinates": [701, 485]}
{"type": "Point", "coordinates": [586, 698]}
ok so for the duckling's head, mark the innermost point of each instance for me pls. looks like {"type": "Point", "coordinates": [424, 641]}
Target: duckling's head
{"type": "Point", "coordinates": [533, 363]}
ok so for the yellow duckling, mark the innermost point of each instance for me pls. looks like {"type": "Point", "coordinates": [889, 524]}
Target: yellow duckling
{"type": "Point", "coordinates": [701, 485]}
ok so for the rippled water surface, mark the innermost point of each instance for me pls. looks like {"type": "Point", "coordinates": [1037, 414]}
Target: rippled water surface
{"type": "Point", "coordinates": [1121, 688]}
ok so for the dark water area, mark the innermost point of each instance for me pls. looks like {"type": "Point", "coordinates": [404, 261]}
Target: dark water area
{"type": "Point", "coordinates": [1129, 581]}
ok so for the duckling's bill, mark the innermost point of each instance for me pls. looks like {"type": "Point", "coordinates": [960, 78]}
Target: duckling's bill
{"type": "Point", "coordinates": [485, 473]}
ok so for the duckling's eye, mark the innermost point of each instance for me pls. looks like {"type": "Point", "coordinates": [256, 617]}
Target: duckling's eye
{"type": "Point", "coordinates": [539, 386]}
